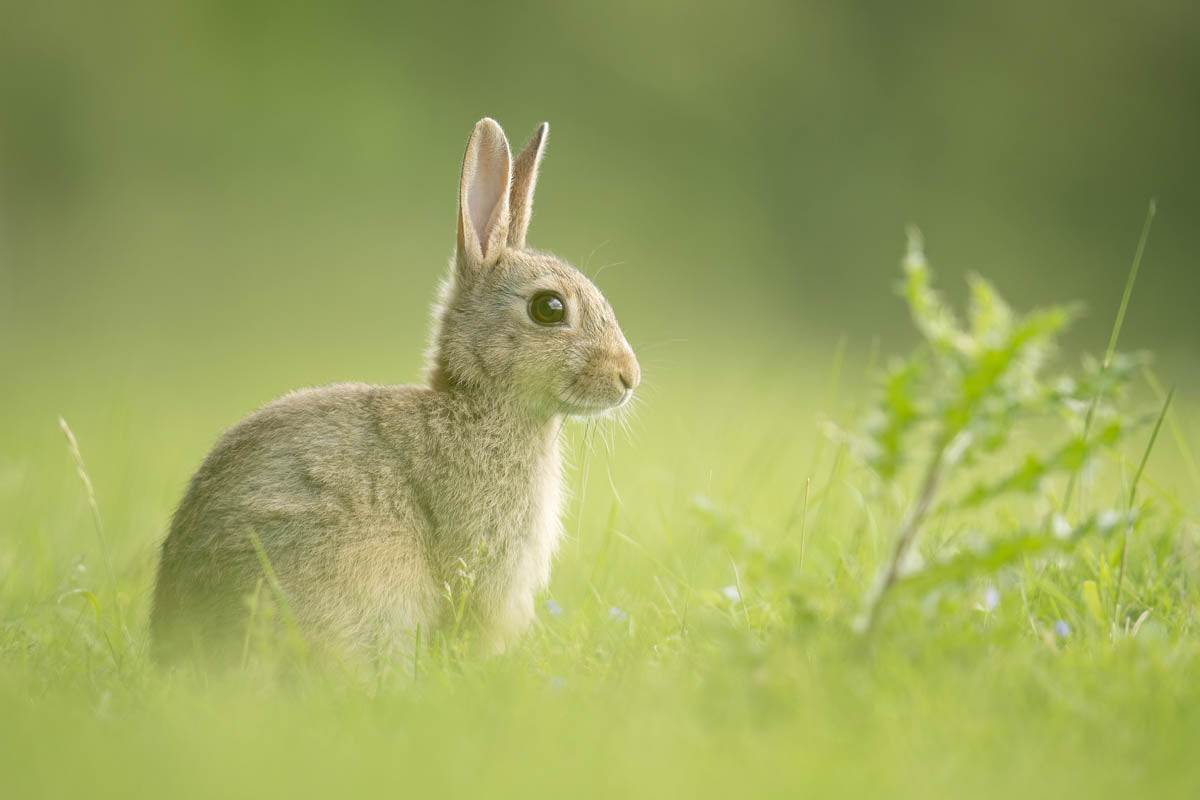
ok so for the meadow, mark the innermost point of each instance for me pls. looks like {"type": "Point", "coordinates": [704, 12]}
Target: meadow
{"type": "Point", "coordinates": [869, 529]}
{"type": "Point", "coordinates": [706, 633]}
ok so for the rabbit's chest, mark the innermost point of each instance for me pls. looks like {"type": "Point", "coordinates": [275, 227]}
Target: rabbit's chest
{"type": "Point", "coordinates": [516, 509]}
{"type": "Point", "coordinates": [507, 522]}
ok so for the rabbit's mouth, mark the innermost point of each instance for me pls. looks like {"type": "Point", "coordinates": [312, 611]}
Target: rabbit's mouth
{"type": "Point", "coordinates": [583, 408]}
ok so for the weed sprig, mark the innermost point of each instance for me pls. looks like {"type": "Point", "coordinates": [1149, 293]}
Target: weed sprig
{"type": "Point", "coordinates": [975, 392]}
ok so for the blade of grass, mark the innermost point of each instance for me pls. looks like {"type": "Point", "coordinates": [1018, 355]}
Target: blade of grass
{"type": "Point", "coordinates": [737, 580]}
{"type": "Point", "coordinates": [98, 523]}
{"type": "Point", "coordinates": [1150, 445]}
{"type": "Point", "coordinates": [1151, 210]}
{"type": "Point", "coordinates": [285, 608]}
{"type": "Point", "coordinates": [804, 519]}
{"type": "Point", "coordinates": [1176, 433]}
{"type": "Point", "coordinates": [1133, 495]}
{"type": "Point", "coordinates": [831, 395]}
{"type": "Point", "coordinates": [73, 443]}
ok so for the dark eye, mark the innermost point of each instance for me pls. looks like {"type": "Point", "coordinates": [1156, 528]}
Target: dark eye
{"type": "Point", "coordinates": [547, 308]}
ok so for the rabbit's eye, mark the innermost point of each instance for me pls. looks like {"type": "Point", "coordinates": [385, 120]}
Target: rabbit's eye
{"type": "Point", "coordinates": [547, 308]}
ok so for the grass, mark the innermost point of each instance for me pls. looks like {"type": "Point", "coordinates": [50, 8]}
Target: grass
{"type": "Point", "coordinates": [700, 635]}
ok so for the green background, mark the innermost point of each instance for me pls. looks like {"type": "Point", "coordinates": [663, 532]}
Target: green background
{"type": "Point", "coordinates": [183, 185]}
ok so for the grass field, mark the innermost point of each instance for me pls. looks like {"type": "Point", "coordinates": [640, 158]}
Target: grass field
{"type": "Point", "coordinates": [703, 634]}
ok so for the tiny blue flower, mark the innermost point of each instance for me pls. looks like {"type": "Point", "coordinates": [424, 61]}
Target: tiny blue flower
{"type": "Point", "coordinates": [554, 608]}
{"type": "Point", "coordinates": [732, 593]}
{"type": "Point", "coordinates": [616, 613]}
{"type": "Point", "coordinates": [1062, 628]}
{"type": "Point", "coordinates": [557, 683]}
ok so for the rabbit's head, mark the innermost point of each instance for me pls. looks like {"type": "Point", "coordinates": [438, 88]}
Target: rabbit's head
{"type": "Point", "coordinates": [516, 322]}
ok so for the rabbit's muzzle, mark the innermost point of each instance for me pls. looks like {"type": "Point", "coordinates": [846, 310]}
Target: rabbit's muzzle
{"type": "Point", "coordinates": [606, 382]}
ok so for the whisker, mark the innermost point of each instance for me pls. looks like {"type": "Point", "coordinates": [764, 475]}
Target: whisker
{"type": "Point", "coordinates": [606, 266]}
{"type": "Point", "coordinates": [602, 429]}
{"type": "Point", "coordinates": [587, 261]}
{"type": "Point", "coordinates": [562, 406]}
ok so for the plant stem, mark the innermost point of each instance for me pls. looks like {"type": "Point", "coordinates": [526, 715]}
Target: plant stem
{"type": "Point", "coordinates": [907, 534]}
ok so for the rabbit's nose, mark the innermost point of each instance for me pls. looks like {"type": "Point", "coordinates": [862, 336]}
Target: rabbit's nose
{"type": "Point", "coordinates": [630, 373]}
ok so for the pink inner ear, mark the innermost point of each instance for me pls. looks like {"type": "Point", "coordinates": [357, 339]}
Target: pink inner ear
{"type": "Point", "coordinates": [487, 188]}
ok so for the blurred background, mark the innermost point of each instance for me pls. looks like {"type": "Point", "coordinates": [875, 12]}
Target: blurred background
{"type": "Point", "coordinates": [206, 204]}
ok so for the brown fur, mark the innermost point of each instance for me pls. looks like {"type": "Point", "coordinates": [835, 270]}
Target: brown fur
{"type": "Point", "coordinates": [369, 500]}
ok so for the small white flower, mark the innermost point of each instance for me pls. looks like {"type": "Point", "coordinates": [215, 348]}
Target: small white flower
{"type": "Point", "coordinates": [732, 593]}
{"type": "Point", "coordinates": [991, 599]}
{"type": "Point", "coordinates": [616, 613]}
{"type": "Point", "coordinates": [1060, 526]}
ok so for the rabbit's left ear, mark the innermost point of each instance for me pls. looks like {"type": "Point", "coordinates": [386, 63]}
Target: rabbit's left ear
{"type": "Point", "coordinates": [524, 179]}
{"type": "Point", "coordinates": [483, 197]}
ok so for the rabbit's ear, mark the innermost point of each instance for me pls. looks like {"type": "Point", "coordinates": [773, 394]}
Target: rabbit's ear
{"type": "Point", "coordinates": [524, 179]}
{"type": "Point", "coordinates": [483, 196]}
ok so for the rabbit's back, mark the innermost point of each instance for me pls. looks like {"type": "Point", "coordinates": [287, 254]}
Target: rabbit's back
{"type": "Point", "coordinates": [321, 478]}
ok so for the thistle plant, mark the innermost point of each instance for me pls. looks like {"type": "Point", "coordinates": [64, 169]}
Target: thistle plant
{"type": "Point", "coordinates": [975, 390]}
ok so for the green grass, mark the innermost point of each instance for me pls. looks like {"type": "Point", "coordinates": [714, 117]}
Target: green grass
{"type": "Point", "coordinates": [685, 646]}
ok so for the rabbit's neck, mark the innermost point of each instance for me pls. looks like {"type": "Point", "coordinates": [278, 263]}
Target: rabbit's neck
{"type": "Point", "coordinates": [510, 449]}
{"type": "Point", "coordinates": [500, 414]}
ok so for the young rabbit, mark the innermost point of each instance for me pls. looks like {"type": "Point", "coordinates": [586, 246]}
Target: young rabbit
{"type": "Point", "coordinates": [369, 500]}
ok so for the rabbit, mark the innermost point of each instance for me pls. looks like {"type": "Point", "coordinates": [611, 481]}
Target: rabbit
{"type": "Point", "coordinates": [370, 502]}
